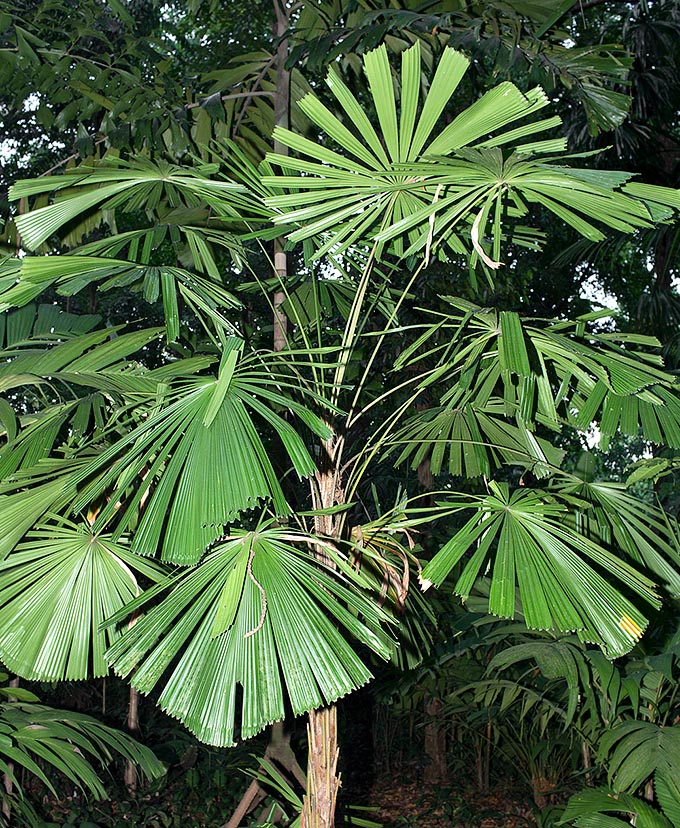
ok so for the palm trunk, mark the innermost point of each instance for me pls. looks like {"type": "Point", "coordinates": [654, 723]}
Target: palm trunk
{"type": "Point", "coordinates": [323, 781]}
{"type": "Point", "coordinates": [281, 119]}
{"type": "Point", "coordinates": [435, 743]}
{"type": "Point", "coordinates": [6, 777]}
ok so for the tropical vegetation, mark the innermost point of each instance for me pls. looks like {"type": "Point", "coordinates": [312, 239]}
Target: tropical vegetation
{"type": "Point", "coordinates": [266, 379]}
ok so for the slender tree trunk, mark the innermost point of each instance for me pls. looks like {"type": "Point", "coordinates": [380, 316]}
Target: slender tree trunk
{"type": "Point", "coordinates": [587, 762]}
{"type": "Point", "coordinates": [132, 726]}
{"type": "Point", "coordinates": [323, 781]}
{"type": "Point", "coordinates": [6, 778]}
{"type": "Point", "coordinates": [436, 772]}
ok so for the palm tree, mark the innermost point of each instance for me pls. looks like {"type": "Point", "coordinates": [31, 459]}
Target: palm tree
{"type": "Point", "coordinates": [36, 738]}
{"type": "Point", "coordinates": [139, 489]}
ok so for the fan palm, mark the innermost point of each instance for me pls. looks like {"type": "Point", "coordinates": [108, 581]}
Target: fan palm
{"type": "Point", "coordinates": [174, 461]}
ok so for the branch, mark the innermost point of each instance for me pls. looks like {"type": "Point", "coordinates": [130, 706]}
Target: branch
{"type": "Point", "coordinates": [591, 3]}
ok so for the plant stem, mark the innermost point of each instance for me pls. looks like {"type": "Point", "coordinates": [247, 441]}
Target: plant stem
{"type": "Point", "coordinates": [323, 781]}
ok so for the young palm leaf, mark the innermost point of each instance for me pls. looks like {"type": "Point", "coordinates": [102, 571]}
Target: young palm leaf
{"type": "Point", "coordinates": [494, 366]}
{"type": "Point", "coordinates": [134, 185]}
{"type": "Point", "coordinates": [591, 808]}
{"type": "Point", "coordinates": [197, 461]}
{"type": "Point", "coordinates": [35, 736]}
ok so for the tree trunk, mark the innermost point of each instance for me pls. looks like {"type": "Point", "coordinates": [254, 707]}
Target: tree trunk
{"type": "Point", "coordinates": [132, 726]}
{"type": "Point", "coordinates": [6, 778]}
{"type": "Point", "coordinates": [436, 772]}
{"type": "Point", "coordinates": [281, 119]}
{"type": "Point", "coordinates": [323, 782]}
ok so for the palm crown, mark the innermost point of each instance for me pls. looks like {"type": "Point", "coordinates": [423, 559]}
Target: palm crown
{"type": "Point", "coordinates": [142, 498]}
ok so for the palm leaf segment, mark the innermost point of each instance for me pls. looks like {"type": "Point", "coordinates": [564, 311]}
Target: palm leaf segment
{"type": "Point", "coordinates": [191, 211]}
{"type": "Point", "coordinates": [33, 736]}
{"type": "Point", "coordinates": [259, 612]}
{"type": "Point", "coordinates": [501, 368]}
{"type": "Point", "coordinates": [198, 462]}
{"type": "Point", "coordinates": [190, 459]}
{"type": "Point", "coordinates": [412, 186]}
{"type": "Point", "coordinates": [593, 808]}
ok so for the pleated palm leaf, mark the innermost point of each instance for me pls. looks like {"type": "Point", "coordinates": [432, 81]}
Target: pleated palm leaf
{"type": "Point", "coordinates": [493, 367]}
{"type": "Point", "coordinates": [609, 513]}
{"type": "Point", "coordinates": [609, 808]}
{"type": "Point", "coordinates": [56, 589]}
{"type": "Point", "coordinates": [196, 463]}
{"type": "Point", "coordinates": [192, 211]}
{"type": "Point", "coordinates": [49, 362]}
{"type": "Point", "coordinates": [258, 612]}
{"type": "Point", "coordinates": [190, 458]}
{"type": "Point", "coordinates": [136, 184]}
{"type": "Point", "coordinates": [412, 186]}
{"type": "Point", "coordinates": [523, 537]}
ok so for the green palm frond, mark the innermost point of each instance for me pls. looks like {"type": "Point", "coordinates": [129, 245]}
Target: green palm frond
{"type": "Point", "coordinates": [23, 503]}
{"type": "Point", "coordinates": [612, 515]}
{"type": "Point", "coordinates": [135, 184]}
{"type": "Point", "coordinates": [57, 587]}
{"type": "Point", "coordinates": [668, 796]}
{"type": "Point", "coordinates": [35, 736]}
{"type": "Point", "coordinates": [72, 273]}
{"type": "Point", "coordinates": [561, 660]}
{"type": "Point", "coordinates": [544, 372]}
{"type": "Point", "coordinates": [184, 451]}
{"type": "Point", "coordinates": [42, 323]}
{"type": "Point", "coordinates": [409, 186]}
{"type": "Point", "coordinates": [591, 808]}
{"type": "Point", "coordinates": [57, 361]}
{"type": "Point", "coordinates": [654, 412]}
{"type": "Point", "coordinates": [194, 464]}
{"type": "Point", "coordinates": [476, 440]}
{"type": "Point", "coordinates": [256, 612]}
{"type": "Point", "coordinates": [523, 536]}
{"type": "Point", "coordinates": [636, 750]}
{"type": "Point", "coordinates": [190, 212]}
{"type": "Point", "coordinates": [47, 355]}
